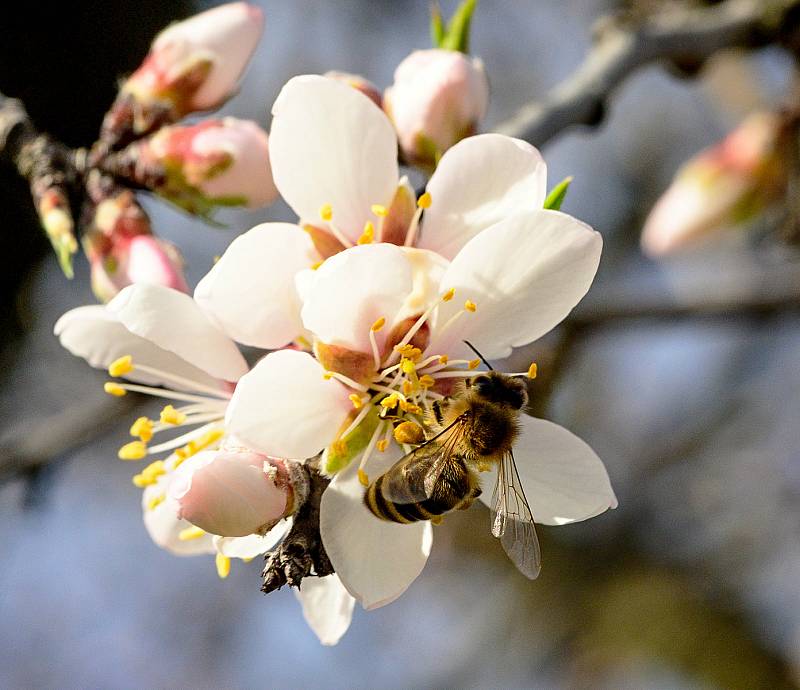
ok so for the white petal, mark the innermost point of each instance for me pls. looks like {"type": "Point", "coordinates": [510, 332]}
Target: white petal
{"type": "Point", "coordinates": [525, 275]}
{"type": "Point", "coordinates": [250, 292]}
{"type": "Point", "coordinates": [164, 526]}
{"type": "Point", "coordinates": [563, 479]}
{"type": "Point", "coordinates": [175, 322]}
{"type": "Point", "coordinates": [330, 144]}
{"type": "Point", "coordinates": [355, 288]}
{"type": "Point", "coordinates": [252, 545]}
{"type": "Point", "coordinates": [480, 181]}
{"type": "Point", "coordinates": [376, 560]}
{"type": "Point", "coordinates": [94, 333]}
{"type": "Point", "coordinates": [285, 408]}
{"type": "Point", "coordinates": [327, 607]}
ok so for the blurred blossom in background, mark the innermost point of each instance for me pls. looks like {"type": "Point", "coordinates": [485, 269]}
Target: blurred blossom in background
{"type": "Point", "coordinates": [693, 582]}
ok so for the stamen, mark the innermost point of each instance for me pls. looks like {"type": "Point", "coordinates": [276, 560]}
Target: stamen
{"type": "Point", "coordinates": [359, 418]}
{"type": "Point", "coordinates": [379, 210]}
{"type": "Point", "coordinates": [470, 306]}
{"type": "Point", "coordinates": [447, 296]}
{"type": "Point", "coordinates": [357, 401]}
{"type": "Point", "coordinates": [426, 381]}
{"type": "Point", "coordinates": [376, 355]}
{"type": "Point", "coordinates": [346, 380]}
{"type": "Point", "coordinates": [135, 450]}
{"type": "Point", "coordinates": [380, 323]}
{"type": "Point", "coordinates": [368, 235]}
{"type": "Point", "coordinates": [533, 370]}
{"type": "Point", "coordinates": [474, 363]}
{"type": "Point", "coordinates": [173, 395]}
{"type": "Point", "coordinates": [317, 264]}
{"type": "Point", "coordinates": [326, 213]}
{"type": "Point", "coordinates": [143, 428]}
{"type": "Point", "coordinates": [199, 439]}
{"type": "Point", "coordinates": [383, 444]}
{"type": "Point", "coordinates": [363, 477]}
{"type": "Point", "coordinates": [183, 381]}
{"type": "Point", "coordinates": [121, 366]}
{"type": "Point", "coordinates": [191, 533]}
{"type": "Point", "coordinates": [114, 389]}
{"type": "Point", "coordinates": [156, 501]}
{"type": "Point", "coordinates": [424, 200]}
{"type": "Point", "coordinates": [223, 564]}
{"type": "Point", "coordinates": [169, 415]}
{"type": "Point", "coordinates": [409, 432]}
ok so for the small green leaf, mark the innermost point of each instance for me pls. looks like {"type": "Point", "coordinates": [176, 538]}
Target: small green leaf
{"type": "Point", "coordinates": [437, 25]}
{"type": "Point", "coordinates": [64, 251]}
{"type": "Point", "coordinates": [556, 196]}
{"type": "Point", "coordinates": [457, 35]}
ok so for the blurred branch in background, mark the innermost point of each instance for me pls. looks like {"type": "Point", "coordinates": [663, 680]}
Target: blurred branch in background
{"type": "Point", "coordinates": [679, 34]}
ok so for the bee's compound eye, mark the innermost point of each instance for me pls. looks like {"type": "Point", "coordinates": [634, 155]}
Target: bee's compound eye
{"type": "Point", "coordinates": [482, 384]}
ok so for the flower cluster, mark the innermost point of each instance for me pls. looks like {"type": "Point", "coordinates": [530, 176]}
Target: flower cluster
{"type": "Point", "coordinates": [365, 304]}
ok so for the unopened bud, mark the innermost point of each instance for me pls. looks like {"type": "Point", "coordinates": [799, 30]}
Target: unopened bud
{"type": "Point", "coordinates": [231, 493]}
{"type": "Point", "coordinates": [213, 163]}
{"type": "Point", "coordinates": [438, 98]}
{"type": "Point", "coordinates": [359, 83]}
{"type": "Point", "coordinates": [722, 187]}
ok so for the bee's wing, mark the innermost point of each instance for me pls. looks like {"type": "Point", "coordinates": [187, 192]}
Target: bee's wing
{"type": "Point", "coordinates": [413, 477]}
{"type": "Point", "coordinates": [512, 521]}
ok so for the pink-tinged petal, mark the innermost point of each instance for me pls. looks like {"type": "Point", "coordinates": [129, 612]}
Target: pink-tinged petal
{"type": "Point", "coordinates": [563, 479]}
{"type": "Point", "coordinates": [375, 560]}
{"type": "Point", "coordinates": [479, 182]}
{"type": "Point", "coordinates": [327, 607]}
{"type": "Point", "coordinates": [525, 275]}
{"type": "Point", "coordinates": [286, 408]}
{"type": "Point", "coordinates": [230, 493]}
{"type": "Point", "coordinates": [354, 289]}
{"type": "Point", "coordinates": [254, 544]}
{"type": "Point", "coordinates": [175, 322]}
{"type": "Point", "coordinates": [95, 334]}
{"type": "Point", "coordinates": [164, 526]}
{"type": "Point", "coordinates": [329, 144]}
{"type": "Point", "coordinates": [250, 292]}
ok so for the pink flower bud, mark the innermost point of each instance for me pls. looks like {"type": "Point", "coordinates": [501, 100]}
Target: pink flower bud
{"type": "Point", "coordinates": [213, 163]}
{"type": "Point", "coordinates": [722, 187]}
{"type": "Point", "coordinates": [231, 493]}
{"type": "Point", "coordinates": [438, 98]}
{"type": "Point", "coordinates": [195, 64]}
{"type": "Point", "coordinates": [359, 83]}
{"type": "Point", "coordinates": [138, 259]}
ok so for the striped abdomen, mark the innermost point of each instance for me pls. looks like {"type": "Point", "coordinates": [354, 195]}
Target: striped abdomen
{"type": "Point", "coordinates": [456, 487]}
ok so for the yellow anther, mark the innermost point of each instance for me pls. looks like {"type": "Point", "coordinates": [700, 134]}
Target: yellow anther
{"type": "Point", "coordinates": [380, 210]}
{"type": "Point", "coordinates": [380, 323]}
{"type": "Point", "coordinates": [169, 415]}
{"type": "Point", "coordinates": [362, 477]}
{"type": "Point", "coordinates": [426, 381]}
{"type": "Point", "coordinates": [114, 389]}
{"type": "Point", "coordinates": [355, 398]}
{"type": "Point", "coordinates": [143, 428]}
{"type": "Point", "coordinates": [412, 408]}
{"type": "Point", "coordinates": [121, 366]}
{"type": "Point", "coordinates": [469, 305]}
{"type": "Point", "coordinates": [424, 200]}
{"type": "Point", "coordinates": [154, 469]}
{"type": "Point", "coordinates": [156, 501]}
{"type": "Point", "coordinates": [409, 432]}
{"type": "Point", "coordinates": [135, 450]}
{"type": "Point", "coordinates": [247, 560]}
{"type": "Point", "coordinates": [191, 533]}
{"type": "Point", "coordinates": [141, 481]}
{"type": "Point", "coordinates": [408, 388]}
{"type": "Point", "coordinates": [368, 235]}
{"type": "Point", "coordinates": [390, 401]}
{"type": "Point", "coordinates": [447, 296]}
{"type": "Point", "coordinates": [223, 566]}
{"type": "Point", "coordinates": [383, 444]}
{"type": "Point", "coordinates": [180, 454]}
{"type": "Point", "coordinates": [328, 375]}
{"type": "Point", "coordinates": [407, 366]}
{"type": "Point", "coordinates": [326, 212]}
{"type": "Point", "coordinates": [533, 370]}
{"type": "Point", "coordinates": [444, 359]}
{"type": "Point", "coordinates": [316, 265]}
{"type": "Point", "coordinates": [474, 363]}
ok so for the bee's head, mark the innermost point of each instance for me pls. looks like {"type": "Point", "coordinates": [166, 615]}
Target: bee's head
{"type": "Point", "coordinates": [492, 386]}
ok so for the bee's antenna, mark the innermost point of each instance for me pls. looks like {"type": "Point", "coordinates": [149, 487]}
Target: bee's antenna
{"type": "Point", "coordinates": [475, 350]}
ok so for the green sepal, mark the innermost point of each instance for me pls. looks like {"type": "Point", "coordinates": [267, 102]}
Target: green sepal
{"type": "Point", "coordinates": [336, 457]}
{"type": "Point", "coordinates": [456, 36]}
{"type": "Point", "coordinates": [437, 26]}
{"type": "Point", "coordinates": [557, 194]}
{"type": "Point", "coordinates": [65, 250]}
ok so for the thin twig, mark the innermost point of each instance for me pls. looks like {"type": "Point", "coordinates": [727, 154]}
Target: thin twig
{"type": "Point", "coordinates": [681, 35]}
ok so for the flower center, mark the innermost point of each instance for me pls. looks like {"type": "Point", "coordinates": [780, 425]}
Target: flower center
{"type": "Point", "coordinates": [202, 415]}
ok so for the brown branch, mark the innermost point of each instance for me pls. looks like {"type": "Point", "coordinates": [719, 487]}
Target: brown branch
{"type": "Point", "coordinates": [301, 554]}
{"type": "Point", "coordinates": [680, 35]}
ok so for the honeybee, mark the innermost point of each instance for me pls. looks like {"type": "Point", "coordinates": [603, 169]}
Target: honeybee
{"type": "Point", "coordinates": [471, 431]}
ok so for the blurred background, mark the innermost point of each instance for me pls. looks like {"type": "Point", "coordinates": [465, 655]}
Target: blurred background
{"type": "Point", "coordinates": [693, 582]}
